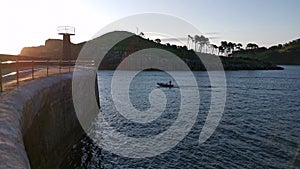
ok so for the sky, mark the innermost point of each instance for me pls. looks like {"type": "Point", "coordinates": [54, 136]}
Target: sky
{"type": "Point", "coordinates": [264, 22]}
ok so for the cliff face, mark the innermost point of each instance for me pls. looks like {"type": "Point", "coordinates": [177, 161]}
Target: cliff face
{"type": "Point", "coordinates": [51, 50]}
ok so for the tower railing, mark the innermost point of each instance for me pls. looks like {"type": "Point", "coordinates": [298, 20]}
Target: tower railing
{"type": "Point", "coordinates": [69, 30]}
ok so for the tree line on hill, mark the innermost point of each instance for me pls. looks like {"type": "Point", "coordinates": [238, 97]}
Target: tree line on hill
{"type": "Point", "coordinates": [191, 56]}
{"type": "Point", "coordinates": [201, 44]}
{"type": "Point", "coordinates": [198, 44]}
{"type": "Point", "coordinates": [288, 53]}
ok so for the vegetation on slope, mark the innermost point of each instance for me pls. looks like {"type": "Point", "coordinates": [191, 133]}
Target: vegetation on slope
{"type": "Point", "coordinates": [121, 50]}
{"type": "Point", "coordinates": [286, 54]}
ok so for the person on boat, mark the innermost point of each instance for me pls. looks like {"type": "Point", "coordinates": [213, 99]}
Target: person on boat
{"type": "Point", "coordinates": [170, 83]}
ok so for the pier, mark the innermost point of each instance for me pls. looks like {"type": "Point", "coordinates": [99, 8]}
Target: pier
{"type": "Point", "coordinates": [38, 121]}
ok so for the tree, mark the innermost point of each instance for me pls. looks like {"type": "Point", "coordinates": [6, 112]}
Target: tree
{"type": "Point", "coordinates": [190, 38]}
{"type": "Point", "coordinates": [174, 46]}
{"type": "Point", "coordinates": [239, 46]}
{"type": "Point", "coordinates": [157, 40]}
{"type": "Point", "coordinates": [202, 41]}
{"type": "Point", "coordinates": [224, 45]}
{"type": "Point", "coordinates": [184, 47]}
{"type": "Point", "coordinates": [206, 43]}
{"type": "Point", "coordinates": [251, 46]}
{"type": "Point", "coordinates": [196, 41]}
{"type": "Point", "coordinates": [230, 47]}
{"type": "Point", "coordinates": [214, 47]}
{"type": "Point", "coordinates": [221, 49]}
{"type": "Point", "coordinates": [141, 35]}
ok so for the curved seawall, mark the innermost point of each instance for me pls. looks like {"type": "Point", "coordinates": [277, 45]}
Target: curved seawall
{"type": "Point", "coordinates": [38, 123]}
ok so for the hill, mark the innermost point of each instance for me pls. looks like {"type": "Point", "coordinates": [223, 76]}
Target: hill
{"type": "Point", "coordinates": [286, 54]}
{"type": "Point", "coordinates": [136, 43]}
{"type": "Point", "coordinates": [53, 49]}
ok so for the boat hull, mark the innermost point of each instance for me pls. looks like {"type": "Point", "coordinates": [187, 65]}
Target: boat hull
{"type": "Point", "coordinates": [164, 85]}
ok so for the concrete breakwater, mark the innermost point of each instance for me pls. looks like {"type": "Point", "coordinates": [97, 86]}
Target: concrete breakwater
{"type": "Point", "coordinates": [38, 123]}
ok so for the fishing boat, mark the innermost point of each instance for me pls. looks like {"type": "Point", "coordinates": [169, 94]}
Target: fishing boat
{"type": "Point", "coordinates": [164, 85]}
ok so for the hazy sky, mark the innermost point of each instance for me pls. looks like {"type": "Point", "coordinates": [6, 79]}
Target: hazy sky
{"type": "Point", "coordinates": [265, 22]}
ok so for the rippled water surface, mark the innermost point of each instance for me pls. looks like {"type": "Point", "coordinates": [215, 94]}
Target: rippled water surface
{"type": "Point", "coordinates": [260, 127]}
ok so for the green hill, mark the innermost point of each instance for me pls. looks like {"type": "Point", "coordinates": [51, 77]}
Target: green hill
{"type": "Point", "coordinates": [133, 43]}
{"type": "Point", "coordinates": [286, 54]}
{"type": "Point", "coordinates": [136, 43]}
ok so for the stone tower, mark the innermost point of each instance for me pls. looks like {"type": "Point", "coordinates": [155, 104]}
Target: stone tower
{"type": "Point", "coordinates": [67, 32]}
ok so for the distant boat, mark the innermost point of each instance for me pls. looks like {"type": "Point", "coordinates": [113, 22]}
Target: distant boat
{"type": "Point", "coordinates": [164, 85]}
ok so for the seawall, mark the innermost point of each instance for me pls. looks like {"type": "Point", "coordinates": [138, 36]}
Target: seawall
{"type": "Point", "coordinates": [38, 123]}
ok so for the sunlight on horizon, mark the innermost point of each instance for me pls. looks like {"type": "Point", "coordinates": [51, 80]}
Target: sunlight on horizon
{"type": "Point", "coordinates": [31, 26]}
